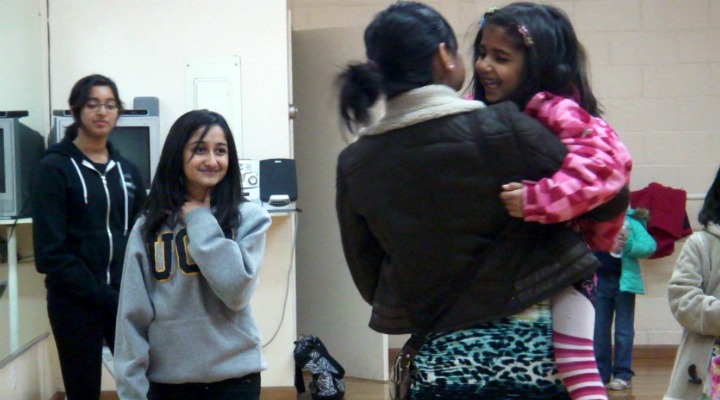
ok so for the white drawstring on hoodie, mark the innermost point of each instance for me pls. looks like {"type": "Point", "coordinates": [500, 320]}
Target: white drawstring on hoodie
{"type": "Point", "coordinates": [122, 179]}
{"type": "Point", "coordinates": [82, 180]}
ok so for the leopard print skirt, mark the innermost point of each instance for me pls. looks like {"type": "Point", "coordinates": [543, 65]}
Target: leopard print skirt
{"type": "Point", "coordinates": [511, 358]}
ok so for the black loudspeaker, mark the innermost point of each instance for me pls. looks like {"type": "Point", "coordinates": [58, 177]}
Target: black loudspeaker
{"type": "Point", "coordinates": [278, 182]}
{"type": "Point", "coordinates": [151, 104]}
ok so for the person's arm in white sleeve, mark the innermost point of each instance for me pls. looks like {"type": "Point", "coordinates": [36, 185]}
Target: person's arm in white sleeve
{"type": "Point", "coordinates": [691, 306]}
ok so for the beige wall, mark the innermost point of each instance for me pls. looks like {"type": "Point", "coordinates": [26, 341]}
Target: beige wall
{"type": "Point", "coordinates": [23, 84]}
{"type": "Point", "coordinates": [656, 69]}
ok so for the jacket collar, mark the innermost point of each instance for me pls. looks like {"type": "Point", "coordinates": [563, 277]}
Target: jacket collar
{"type": "Point", "coordinates": [714, 229]}
{"type": "Point", "coordinates": [420, 105]}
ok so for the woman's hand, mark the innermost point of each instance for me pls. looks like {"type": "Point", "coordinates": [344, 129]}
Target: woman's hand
{"type": "Point", "coordinates": [512, 197]}
{"type": "Point", "coordinates": [192, 203]}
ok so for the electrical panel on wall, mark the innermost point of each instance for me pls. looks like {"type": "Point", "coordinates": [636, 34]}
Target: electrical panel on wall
{"type": "Point", "coordinates": [213, 83]}
{"type": "Point", "coordinates": [271, 183]}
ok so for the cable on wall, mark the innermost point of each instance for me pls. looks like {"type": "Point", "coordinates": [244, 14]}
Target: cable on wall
{"type": "Point", "coordinates": [287, 287]}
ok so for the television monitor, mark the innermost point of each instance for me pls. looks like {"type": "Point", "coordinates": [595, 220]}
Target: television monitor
{"type": "Point", "coordinates": [137, 137]}
{"type": "Point", "coordinates": [21, 149]}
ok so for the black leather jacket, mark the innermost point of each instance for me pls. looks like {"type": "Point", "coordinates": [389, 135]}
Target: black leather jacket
{"type": "Point", "coordinates": [419, 210]}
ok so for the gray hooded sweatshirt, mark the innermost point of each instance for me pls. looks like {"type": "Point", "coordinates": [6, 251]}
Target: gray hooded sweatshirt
{"type": "Point", "coordinates": [186, 316]}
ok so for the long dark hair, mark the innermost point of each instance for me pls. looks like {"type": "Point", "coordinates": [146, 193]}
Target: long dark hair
{"type": "Point", "coordinates": [555, 62]}
{"type": "Point", "coordinates": [710, 211]}
{"type": "Point", "coordinates": [168, 189]}
{"type": "Point", "coordinates": [400, 44]}
{"type": "Point", "coordinates": [80, 95]}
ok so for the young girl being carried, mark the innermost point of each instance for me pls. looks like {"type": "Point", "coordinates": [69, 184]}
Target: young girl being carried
{"type": "Point", "coordinates": [528, 53]}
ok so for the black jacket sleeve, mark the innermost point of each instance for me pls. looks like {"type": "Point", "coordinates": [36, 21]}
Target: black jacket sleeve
{"type": "Point", "coordinates": [363, 251]}
{"type": "Point", "coordinates": [523, 146]}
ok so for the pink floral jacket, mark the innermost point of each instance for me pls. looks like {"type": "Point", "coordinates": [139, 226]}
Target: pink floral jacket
{"type": "Point", "coordinates": [596, 168]}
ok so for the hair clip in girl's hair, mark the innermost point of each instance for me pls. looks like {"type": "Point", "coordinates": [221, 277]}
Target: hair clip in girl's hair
{"type": "Point", "coordinates": [525, 33]}
{"type": "Point", "coordinates": [490, 11]}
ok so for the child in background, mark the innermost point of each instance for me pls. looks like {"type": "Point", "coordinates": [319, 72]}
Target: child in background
{"type": "Point", "coordinates": [618, 281]}
{"type": "Point", "coordinates": [693, 292]}
{"type": "Point", "coordinates": [528, 53]}
{"type": "Point", "coordinates": [185, 328]}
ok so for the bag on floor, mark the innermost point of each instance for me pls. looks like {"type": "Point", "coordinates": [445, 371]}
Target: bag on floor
{"type": "Point", "coordinates": [327, 374]}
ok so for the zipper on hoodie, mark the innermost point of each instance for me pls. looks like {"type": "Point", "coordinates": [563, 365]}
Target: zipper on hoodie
{"type": "Point", "coordinates": [107, 211]}
{"type": "Point", "coordinates": [107, 224]}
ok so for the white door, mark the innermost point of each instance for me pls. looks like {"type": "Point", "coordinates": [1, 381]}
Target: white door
{"type": "Point", "coordinates": [328, 304]}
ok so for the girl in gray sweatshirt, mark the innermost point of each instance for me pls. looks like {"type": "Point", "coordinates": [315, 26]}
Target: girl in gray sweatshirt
{"type": "Point", "coordinates": [185, 329]}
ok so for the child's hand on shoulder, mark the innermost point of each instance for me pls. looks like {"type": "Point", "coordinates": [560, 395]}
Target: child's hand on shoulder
{"type": "Point", "coordinates": [192, 203]}
{"type": "Point", "coordinates": [512, 197]}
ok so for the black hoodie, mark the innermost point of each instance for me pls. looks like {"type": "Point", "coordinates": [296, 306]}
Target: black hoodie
{"type": "Point", "coordinates": [81, 221]}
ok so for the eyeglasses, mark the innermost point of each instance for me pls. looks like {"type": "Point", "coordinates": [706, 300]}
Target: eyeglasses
{"type": "Point", "coordinates": [94, 106]}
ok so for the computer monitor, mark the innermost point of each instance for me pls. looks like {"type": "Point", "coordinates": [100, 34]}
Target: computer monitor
{"type": "Point", "coordinates": [21, 149]}
{"type": "Point", "coordinates": [137, 137]}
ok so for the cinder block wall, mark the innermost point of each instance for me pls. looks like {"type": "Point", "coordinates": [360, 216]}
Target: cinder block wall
{"type": "Point", "coordinates": [655, 67]}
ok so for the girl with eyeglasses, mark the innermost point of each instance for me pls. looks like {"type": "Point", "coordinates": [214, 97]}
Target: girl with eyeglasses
{"type": "Point", "coordinates": [85, 199]}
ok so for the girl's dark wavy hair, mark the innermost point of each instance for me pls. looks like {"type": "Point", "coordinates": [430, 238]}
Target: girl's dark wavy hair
{"type": "Point", "coordinates": [400, 44]}
{"type": "Point", "coordinates": [710, 211]}
{"type": "Point", "coordinates": [556, 62]}
{"type": "Point", "coordinates": [80, 95]}
{"type": "Point", "coordinates": [168, 189]}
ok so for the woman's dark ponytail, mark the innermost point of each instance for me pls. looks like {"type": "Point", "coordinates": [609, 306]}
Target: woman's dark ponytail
{"type": "Point", "coordinates": [361, 85]}
{"type": "Point", "coordinates": [400, 45]}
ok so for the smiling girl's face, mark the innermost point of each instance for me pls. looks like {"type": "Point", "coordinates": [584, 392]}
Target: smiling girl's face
{"type": "Point", "coordinates": [500, 65]}
{"type": "Point", "coordinates": [206, 161]}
